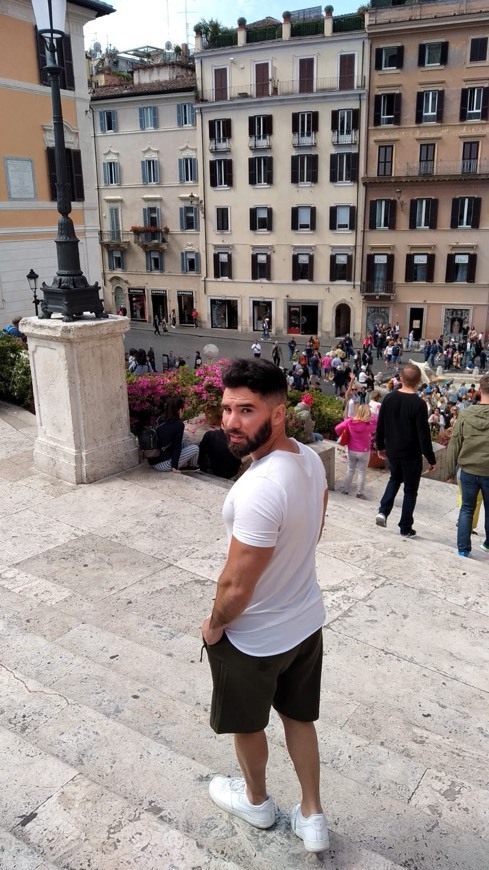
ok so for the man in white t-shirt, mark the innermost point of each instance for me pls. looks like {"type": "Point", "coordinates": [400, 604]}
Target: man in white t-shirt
{"type": "Point", "coordinates": [264, 636]}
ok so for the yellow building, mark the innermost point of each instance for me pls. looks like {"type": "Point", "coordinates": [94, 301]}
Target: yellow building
{"type": "Point", "coordinates": [28, 215]}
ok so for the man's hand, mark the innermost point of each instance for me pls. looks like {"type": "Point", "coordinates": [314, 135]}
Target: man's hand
{"type": "Point", "coordinates": [211, 635]}
{"type": "Point", "coordinates": [176, 471]}
{"type": "Point", "coordinates": [382, 454]}
{"type": "Point", "coordinates": [431, 467]}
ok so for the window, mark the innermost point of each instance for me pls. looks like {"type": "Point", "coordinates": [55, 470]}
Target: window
{"type": "Point", "coordinates": [346, 79]}
{"type": "Point", "coordinates": [154, 261]}
{"type": "Point", "coordinates": [429, 106]}
{"type": "Point", "coordinates": [387, 110]}
{"type": "Point", "coordinates": [461, 268]}
{"type": "Point", "coordinates": [150, 171]}
{"type": "Point", "coordinates": [306, 75]}
{"type": "Point", "coordinates": [384, 159]}
{"type": "Point", "coordinates": [187, 170]}
{"type": "Point", "coordinates": [219, 134]}
{"type": "Point", "coordinates": [343, 167]}
{"type": "Point", "coordinates": [260, 170]}
{"type": "Point", "coordinates": [433, 54]}
{"type": "Point", "coordinates": [152, 216]}
{"type": "Point", "coordinates": [303, 267]}
{"type": "Point", "coordinates": [190, 261]}
{"type": "Point", "coordinates": [261, 267]}
{"type": "Point", "coordinates": [423, 214]}
{"type": "Point", "coordinates": [65, 62]}
{"type": "Point", "coordinates": [116, 261]}
{"type": "Point", "coordinates": [380, 270]}
{"type": "Point", "coordinates": [185, 115]}
{"type": "Point", "coordinates": [340, 267]}
{"type": "Point", "coordinates": [420, 267]}
{"type": "Point", "coordinates": [391, 57]}
{"type": "Point", "coordinates": [222, 265]}
{"type": "Point", "coordinates": [382, 214]}
{"type": "Point", "coordinates": [426, 159]}
{"type": "Point", "coordinates": [221, 83]}
{"type": "Point", "coordinates": [261, 219]}
{"type": "Point", "coordinates": [478, 49]}
{"type": "Point", "coordinates": [473, 104]}
{"type": "Point", "coordinates": [189, 217]}
{"type": "Point", "coordinates": [221, 172]}
{"type": "Point", "coordinates": [111, 170]}
{"type": "Point", "coordinates": [304, 127]}
{"type": "Point", "coordinates": [344, 124]}
{"type": "Point", "coordinates": [75, 174]}
{"type": "Point", "coordinates": [470, 157]}
{"type": "Point", "coordinates": [223, 224]}
{"type": "Point", "coordinates": [262, 79]}
{"type": "Point", "coordinates": [466, 212]}
{"type": "Point", "coordinates": [148, 118]}
{"type": "Point", "coordinates": [342, 217]}
{"type": "Point", "coordinates": [107, 121]}
{"type": "Point", "coordinates": [304, 169]}
{"type": "Point", "coordinates": [260, 128]}
{"type": "Point", "coordinates": [303, 218]}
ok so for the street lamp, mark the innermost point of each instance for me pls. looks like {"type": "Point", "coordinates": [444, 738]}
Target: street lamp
{"type": "Point", "coordinates": [70, 293]}
{"type": "Point", "coordinates": [32, 279]}
{"type": "Point", "coordinates": [194, 200]}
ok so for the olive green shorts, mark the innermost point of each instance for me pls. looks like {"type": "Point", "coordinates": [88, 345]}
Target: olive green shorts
{"type": "Point", "coordinates": [246, 687]}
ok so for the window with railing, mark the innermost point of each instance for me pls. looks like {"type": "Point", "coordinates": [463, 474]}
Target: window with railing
{"type": "Point", "coordinates": [385, 155]}
{"type": "Point", "coordinates": [474, 104]}
{"type": "Point", "coordinates": [427, 158]}
{"type": "Point", "coordinates": [429, 107]}
{"type": "Point", "coordinates": [470, 158]}
{"type": "Point", "coordinates": [305, 125]}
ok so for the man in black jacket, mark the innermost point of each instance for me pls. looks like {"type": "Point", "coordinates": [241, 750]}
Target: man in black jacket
{"type": "Point", "coordinates": [403, 437]}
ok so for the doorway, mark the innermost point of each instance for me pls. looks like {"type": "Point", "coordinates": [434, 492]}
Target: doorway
{"type": "Point", "coordinates": [185, 299]}
{"type": "Point", "coordinates": [416, 316]}
{"type": "Point", "coordinates": [342, 320]}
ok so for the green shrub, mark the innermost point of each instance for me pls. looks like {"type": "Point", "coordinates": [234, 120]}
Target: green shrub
{"type": "Point", "coordinates": [326, 411]}
{"type": "Point", "coordinates": [15, 372]}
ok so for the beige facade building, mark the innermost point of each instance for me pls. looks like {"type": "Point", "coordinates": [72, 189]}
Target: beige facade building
{"type": "Point", "coordinates": [426, 245]}
{"type": "Point", "coordinates": [281, 124]}
{"type": "Point", "coordinates": [148, 176]}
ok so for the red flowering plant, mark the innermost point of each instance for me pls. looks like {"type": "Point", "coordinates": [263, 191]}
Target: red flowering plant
{"type": "Point", "coordinates": [147, 394]}
{"type": "Point", "coordinates": [208, 391]}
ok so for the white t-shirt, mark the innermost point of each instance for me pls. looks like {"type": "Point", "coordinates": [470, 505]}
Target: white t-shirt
{"type": "Point", "coordinates": [279, 503]}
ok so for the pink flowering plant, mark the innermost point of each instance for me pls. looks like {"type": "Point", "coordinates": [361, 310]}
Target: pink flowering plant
{"type": "Point", "coordinates": [209, 389]}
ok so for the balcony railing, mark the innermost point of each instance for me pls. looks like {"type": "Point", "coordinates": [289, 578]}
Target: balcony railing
{"type": "Point", "coordinates": [149, 240]}
{"type": "Point", "coordinates": [378, 289]}
{"type": "Point", "coordinates": [219, 144]}
{"type": "Point", "coordinates": [283, 88]}
{"type": "Point", "coordinates": [259, 142]}
{"type": "Point", "coordinates": [447, 167]}
{"type": "Point", "coordinates": [300, 140]}
{"type": "Point", "coordinates": [350, 138]}
{"type": "Point", "coordinates": [114, 238]}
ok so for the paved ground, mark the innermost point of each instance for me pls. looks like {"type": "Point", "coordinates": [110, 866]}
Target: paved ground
{"type": "Point", "coordinates": [105, 751]}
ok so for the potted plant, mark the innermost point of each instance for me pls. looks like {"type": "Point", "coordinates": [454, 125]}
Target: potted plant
{"type": "Point", "coordinates": [329, 11]}
{"type": "Point", "coordinates": [241, 22]}
{"type": "Point", "coordinates": [287, 15]}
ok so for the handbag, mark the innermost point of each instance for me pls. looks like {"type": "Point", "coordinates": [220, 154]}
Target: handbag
{"type": "Point", "coordinates": [345, 436]}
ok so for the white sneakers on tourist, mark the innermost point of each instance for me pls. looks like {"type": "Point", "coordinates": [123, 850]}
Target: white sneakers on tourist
{"type": "Point", "coordinates": [230, 794]}
{"type": "Point", "coordinates": [381, 520]}
{"type": "Point", "coordinates": [313, 830]}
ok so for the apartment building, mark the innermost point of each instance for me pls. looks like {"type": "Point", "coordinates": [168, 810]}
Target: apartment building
{"type": "Point", "coordinates": [281, 122]}
{"type": "Point", "coordinates": [148, 175]}
{"type": "Point", "coordinates": [426, 243]}
{"type": "Point", "coordinates": [28, 215]}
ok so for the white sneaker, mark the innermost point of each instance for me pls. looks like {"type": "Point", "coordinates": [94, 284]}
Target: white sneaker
{"type": "Point", "coordinates": [381, 520]}
{"type": "Point", "coordinates": [313, 830]}
{"type": "Point", "coordinates": [230, 795]}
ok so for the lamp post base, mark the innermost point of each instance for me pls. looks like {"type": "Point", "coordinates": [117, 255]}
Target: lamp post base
{"type": "Point", "coordinates": [71, 296]}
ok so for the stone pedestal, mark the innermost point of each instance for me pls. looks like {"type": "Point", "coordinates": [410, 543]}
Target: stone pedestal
{"type": "Point", "coordinates": [80, 393]}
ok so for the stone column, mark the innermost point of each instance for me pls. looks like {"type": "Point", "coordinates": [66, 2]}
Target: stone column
{"type": "Point", "coordinates": [286, 28]}
{"type": "Point", "coordinates": [80, 393]}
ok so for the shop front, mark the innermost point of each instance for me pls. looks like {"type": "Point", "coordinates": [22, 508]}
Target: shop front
{"type": "Point", "coordinates": [261, 308]}
{"type": "Point", "coordinates": [137, 304]}
{"type": "Point", "coordinates": [224, 313]}
{"type": "Point", "coordinates": [159, 304]}
{"type": "Point", "coordinates": [456, 322]}
{"type": "Point", "coordinates": [185, 302]}
{"type": "Point", "coordinates": [302, 319]}
{"type": "Point", "coordinates": [377, 314]}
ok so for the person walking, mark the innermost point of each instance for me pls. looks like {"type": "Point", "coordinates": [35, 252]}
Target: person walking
{"type": "Point", "coordinates": [264, 635]}
{"type": "Point", "coordinates": [156, 325]}
{"type": "Point", "coordinates": [361, 426]}
{"type": "Point", "coordinates": [403, 437]}
{"type": "Point", "coordinates": [291, 344]}
{"type": "Point", "coordinates": [469, 448]}
{"type": "Point", "coordinates": [256, 348]}
{"type": "Point", "coordinates": [276, 354]}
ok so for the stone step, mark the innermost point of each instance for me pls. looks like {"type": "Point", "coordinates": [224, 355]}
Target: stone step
{"type": "Point", "coordinates": [16, 855]}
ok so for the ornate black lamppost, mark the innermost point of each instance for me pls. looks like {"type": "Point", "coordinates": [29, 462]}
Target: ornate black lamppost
{"type": "Point", "coordinates": [32, 280]}
{"type": "Point", "coordinates": [70, 293]}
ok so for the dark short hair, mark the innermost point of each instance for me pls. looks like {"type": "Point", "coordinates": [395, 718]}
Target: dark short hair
{"type": "Point", "coordinates": [258, 375]}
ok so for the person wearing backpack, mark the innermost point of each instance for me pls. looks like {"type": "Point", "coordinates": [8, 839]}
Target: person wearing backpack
{"type": "Point", "coordinates": [142, 366]}
{"type": "Point", "coordinates": [175, 451]}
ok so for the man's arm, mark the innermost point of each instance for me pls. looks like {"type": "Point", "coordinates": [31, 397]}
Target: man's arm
{"type": "Point", "coordinates": [424, 435]}
{"type": "Point", "coordinates": [454, 448]}
{"type": "Point", "coordinates": [244, 567]}
{"type": "Point", "coordinates": [325, 505]}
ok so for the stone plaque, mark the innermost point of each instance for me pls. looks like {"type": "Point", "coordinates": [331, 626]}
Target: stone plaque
{"type": "Point", "coordinates": [20, 178]}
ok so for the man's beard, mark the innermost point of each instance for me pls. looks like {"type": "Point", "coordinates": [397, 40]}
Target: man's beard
{"type": "Point", "coordinates": [249, 445]}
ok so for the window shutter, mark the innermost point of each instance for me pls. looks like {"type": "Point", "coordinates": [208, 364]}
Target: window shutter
{"type": "Point", "coordinates": [252, 218]}
{"type": "Point", "coordinates": [332, 217]}
{"type": "Point", "coordinates": [69, 74]}
{"type": "Point", "coordinates": [194, 169]}
{"type": "Point", "coordinates": [314, 169]}
{"type": "Point", "coordinates": [230, 266]}
{"type": "Point", "coordinates": [419, 107]}
{"type": "Point", "coordinates": [51, 173]}
{"type": "Point", "coordinates": [191, 108]}
{"type": "Point", "coordinates": [485, 103]}
{"type": "Point", "coordinates": [102, 122]}
{"type": "Point", "coordinates": [433, 215]}
{"type": "Point", "coordinates": [421, 54]}
{"type": "Point", "coordinates": [196, 218]}
{"type": "Point", "coordinates": [379, 52]}
{"type": "Point", "coordinates": [212, 129]}
{"type": "Point", "coordinates": [313, 217]}
{"type": "Point", "coordinates": [476, 212]}
{"type": "Point", "coordinates": [353, 166]}
{"type": "Point", "coordinates": [332, 267]}
{"type": "Point", "coordinates": [117, 173]}
{"type": "Point", "coordinates": [372, 215]}
{"type": "Point", "coordinates": [41, 58]}
{"type": "Point", "coordinates": [400, 57]}
{"type": "Point", "coordinates": [295, 122]}
{"type": "Point", "coordinates": [111, 260]}
{"type": "Point", "coordinates": [154, 113]}
{"type": "Point", "coordinates": [145, 217]}
{"type": "Point", "coordinates": [183, 262]}
{"type": "Point", "coordinates": [315, 121]}
{"type": "Point", "coordinates": [334, 119]}
{"type": "Point", "coordinates": [179, 115]}
{"type": "Point", "coordinates": [158, 217]}
{"type": "Point", "coordinates": [254, 267]}
{"type": "Point", "coordinates": [182, 217]}
{"type": "Point", "coordinates": [471, 268]}
{"type": "Point", "coordinates": [144, 171]}
{"type": "Point", "coordinates": [454, 215]}
{"type": "Point", "coordinates": [269, 219]}
{"type": "Point", "coordinates": [157, 171]}
{"type": "Point", "coordinates": [310, 276]}
{"type": "Point", "coordinates": [377, 108]}
{"type": "Point", "coordinates": [450, 270]}
{"type": "Point", "coordinates": [106, 172]}
{"type": "Point", "coordinates": [268, 269]}
{"type": "Point", "coordinates": [430, 268]}
{"type": "Point", "coordinates": [251, 125]}
{"type": "Point", "coordinates": [397, 108]}
{"type": "Point", "coordinates": [252, 170]}
{"type": "Point", "coordinates": [413, 207]}
{"type": "Point", "coordinates": [181, 173]}
{"type": "Point", "coordinates": [294, 218]}
{"type": "Point", "coordinates": [216, 266]}
{"type": "Point", "coordinates": [390, 267]}
{"type": "Point", "coordinates": [351, 219]}
{"type": "Point", "coordinates": [77, 191]}
{"type": "Point", "coordinates": [349, 267]}
{"type": "Point", "coordinates": [295, 267]}
{"type": "Point", "coordinates": [227, 128]}
{"type": "Point", "coordinates": [269, 124]}
{"type": "Point", "coordinates": [141, 119]}
{"type": "Point", "coordinates": [463, 104]}
{"type": "Point", "coordinates": [294, 169]}
{"type": "Point", "coordinates": [370, 267]}
{"type": "Point", "coordinates": [229, 173]}
{"type": "Point", "coordinates": [440, 106]}
{"type": "Point", "coordinates": [148, 261]}
{"type": "Point", "coordinates": [355, 117]}
{"type": "Point", "coordinates": [269, 170]}
{"type": "Point", "coordinates": [408, 276]}
{"type": "Point", "coordinates": [391, 222]}
{"type": "Point", "coordinates": [333, 168]}
{"type": "Point", "coordinates": [444, 53]}
{"type": "Point", "coordinates": [114, 120]}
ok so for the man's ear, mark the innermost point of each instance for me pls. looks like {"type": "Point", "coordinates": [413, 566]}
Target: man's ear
{"type": "Point", "coordinates": [278, 414]}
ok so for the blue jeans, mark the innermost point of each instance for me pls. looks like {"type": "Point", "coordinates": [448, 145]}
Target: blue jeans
{"type": "Point", "coordinates": [408, 472]}
{"type": "Point", "coordinates": [471, 484]}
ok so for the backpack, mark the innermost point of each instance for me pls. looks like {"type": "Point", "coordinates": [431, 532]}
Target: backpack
{"type": "Point", "coordinates": [148, 441]}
